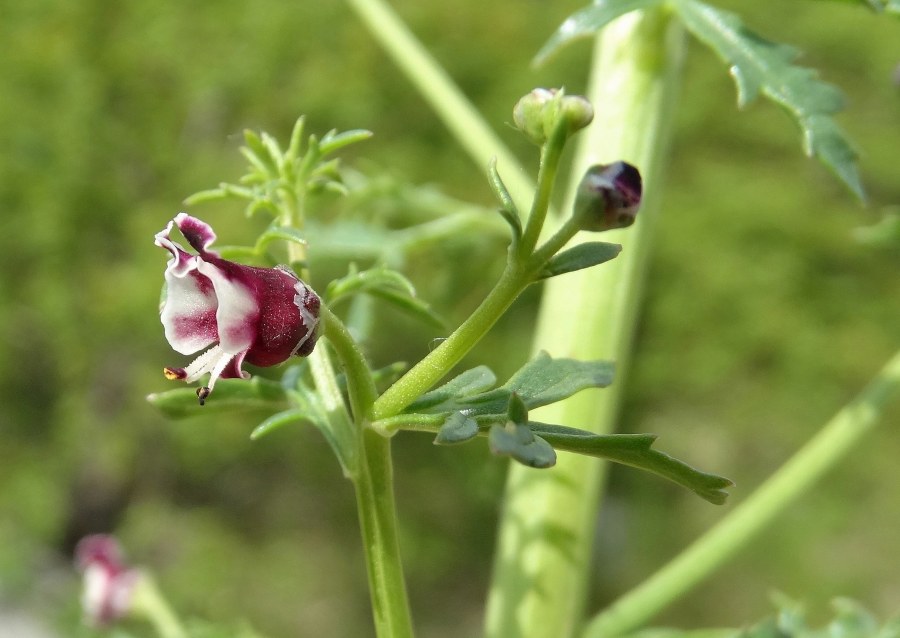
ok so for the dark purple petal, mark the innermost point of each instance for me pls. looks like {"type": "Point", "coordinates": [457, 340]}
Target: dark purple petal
{"type": "Point", "coordinates": [199, 234]}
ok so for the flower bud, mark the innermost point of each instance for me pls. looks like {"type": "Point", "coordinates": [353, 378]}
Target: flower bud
{"type": "Point", "coordinates": [608, 197]}
{"type": "Point", "coordinates": [577, 111]}
{"type": "Point", "coordinates": [537, 113]}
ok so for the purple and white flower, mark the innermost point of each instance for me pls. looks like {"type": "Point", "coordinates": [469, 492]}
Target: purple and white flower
{"type": "Point", "coordinates": [239, 313]}
{"type": "Point", "coordinates": [108, 584]}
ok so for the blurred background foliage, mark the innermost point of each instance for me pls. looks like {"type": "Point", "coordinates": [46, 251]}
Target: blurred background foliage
{"type": "Point", "coordinates": [763, 316]}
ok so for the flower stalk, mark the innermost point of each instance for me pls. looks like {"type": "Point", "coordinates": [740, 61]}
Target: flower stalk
{"type": "Point", "coordinates": [519, 272]}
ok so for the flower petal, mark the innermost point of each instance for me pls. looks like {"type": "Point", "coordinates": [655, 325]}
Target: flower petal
{"type": "Point", "coordinates": [237, 315]}
{"type": "Point", "coordinates": [199, 234]}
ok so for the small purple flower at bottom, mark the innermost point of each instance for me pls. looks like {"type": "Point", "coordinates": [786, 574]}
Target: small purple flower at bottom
{"type": "Point", "coordinates": [240, 313]}
{"type": "Point", "coordinates": [108, 584]}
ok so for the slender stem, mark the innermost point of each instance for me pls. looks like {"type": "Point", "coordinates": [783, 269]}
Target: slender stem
{"type": "Point", "coordinates": [745, 522]}
{"type": "Point", "coordinates": [548, 523]}
{"type": "Point", "coordinates": [360, 384]}
{"type": "Point", "coordinates": [378, 521]}
{"type": "Point", "coordinates": [550, 155]}
{"type": "Point", "coordinates": [457, 113]}
{"type": "Point", "coordinates": [439, 361]}
{"type": "Point", "coordinates": [365, 455]}
{"type": "Point", "coordinates": [148, 602]}
{"type": "Point", "coordinates": [519, 272]}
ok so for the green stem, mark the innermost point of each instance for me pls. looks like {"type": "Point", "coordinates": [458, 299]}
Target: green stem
{"type": "Point", "coordinates": [360, 384]}
{"type": "Point", "coordinates": [540, 574]}
{"type": "Point", "coordinates": [519, 272]}
{"type": "Point", "coordinates": [457, 113]}
{"type": "Point", "coordinates": [366, 456]}
{"type": "Point", "coordinates": [148, 602]}
{"type": "Point", "coordinates": [745, 522]}
{"type": "Point", "coordinates": [550, 155]}
{"type": "Point", "coordinates": [441, 360]}
{"type": "Point", "coordinates": [378, 522]}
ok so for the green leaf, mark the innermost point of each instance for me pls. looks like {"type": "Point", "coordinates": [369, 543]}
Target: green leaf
{"type": "Point", "coordinates": [209, 195]}
{"type": "Point", "coordinates": [334, 141]}
{"type": "Point", "coordinates": [275, 232]}
{"type": "Point", "coordinates": [545, 380]}
{"type": "Point", "coordinates": [466, 384]}
{"type": "Point", "coordinates": [273, 151]}
{"type": "Point", "coordinates": [458, 428]}
{"type": "Point", "coordinates": [579, 257]}
{"type": "Point", "coordinates": [517, 412]}
{"type": "Point", "coordinates": [541, 381]}
{"type": "Point", "coordinates": [386, 284]}
{"type": "Point", "coordinates": [760, 66]}
{"type": "Point", "coordinates": [508, 208]}
{"type": "Point", "coordinates": [279, 420]}
{"type": "Point", "coordinates": [295, 146]}
{"type": "Point", "coordinates": [229, 395]}
{"type": "Point", "coordinates": [518, 442]}
{"type": "Point", "coordinates": [635, 450]}
{"type": "Point", "coordinates": [587, 22]}
{"type": "Point", "coordinates": [257, 154]}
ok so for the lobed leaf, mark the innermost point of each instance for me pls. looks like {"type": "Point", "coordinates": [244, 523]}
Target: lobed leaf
{"type": "Point", "coordinates": [587, 22]}
{"type": "Point", "coordinates": [545, 380]}
{"type": "Point", "coordinates": [541, 381]}
{"type": "Point", "coordinates": [760, 66]}
{"type": "Point", "coordinates": [635, 450]}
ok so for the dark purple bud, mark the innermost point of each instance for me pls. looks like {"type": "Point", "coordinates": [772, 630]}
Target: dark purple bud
{"type": "Point", "coordinates": [608, 197]}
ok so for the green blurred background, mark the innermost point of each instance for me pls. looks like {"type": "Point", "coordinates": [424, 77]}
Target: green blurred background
{"type": "Point", "coordinates": [762, 318]}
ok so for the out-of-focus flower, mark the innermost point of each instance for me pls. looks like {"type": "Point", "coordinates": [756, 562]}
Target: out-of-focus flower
{"type": "Point", "coordinates": [608, 196]}
{"type": "Point", "coordinates": [240, 313]}
{"type": "Point", "coordinates": [108, 584]}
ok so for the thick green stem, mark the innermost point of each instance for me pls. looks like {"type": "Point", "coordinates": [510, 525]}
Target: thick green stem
{"type": "Point", "coordinates": [378, 522]}
{"type": "Point", "coordinates": [550, 516]}
{"type": "Point", "coordinates": [451, 105]}
{"type": "Point", "coordinates": [745, 522]}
